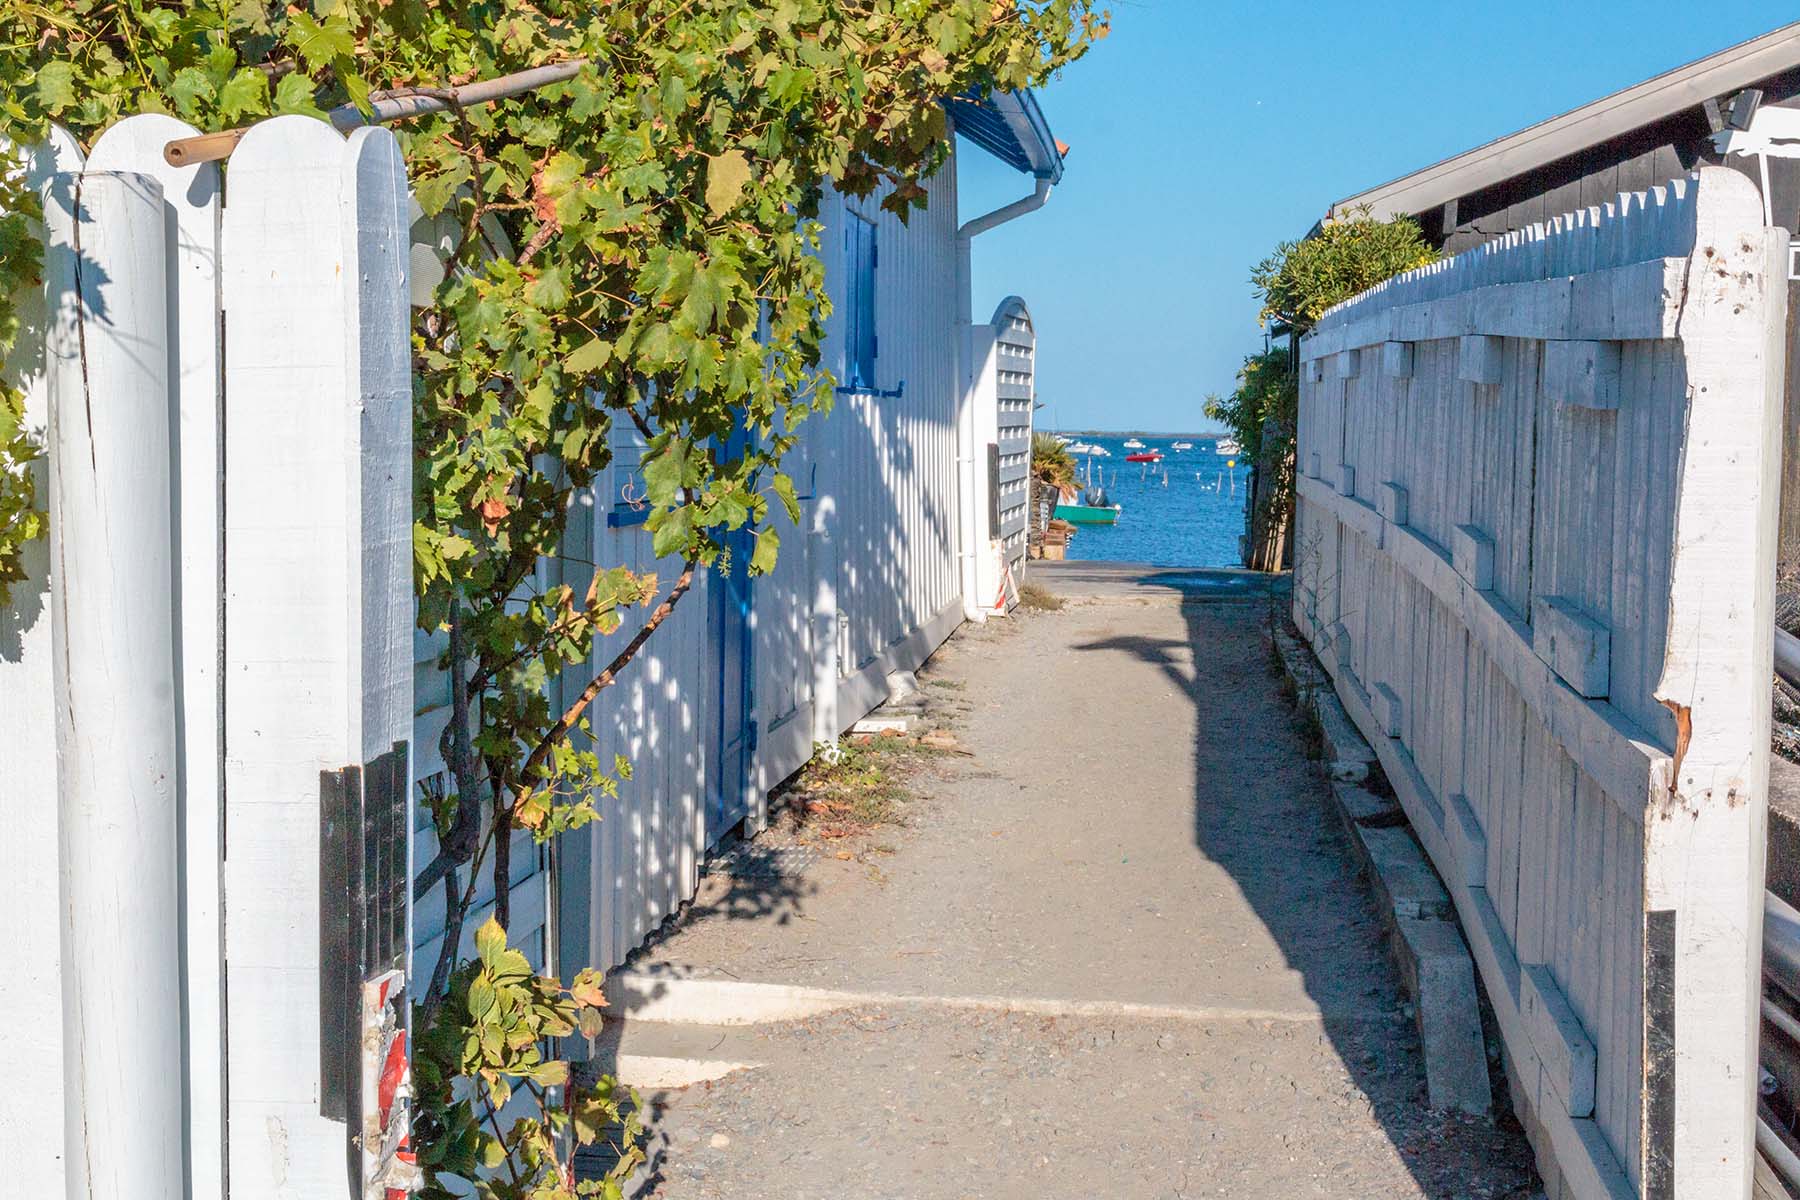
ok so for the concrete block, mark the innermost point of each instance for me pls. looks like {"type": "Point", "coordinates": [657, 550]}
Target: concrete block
{"type": "Point", "coordinates": [1346, 480]}
{"type": "Point", "coordinates": [1478, 359]}
{"type": "Point", "coordinates": [1397, 359]}
{"type": "Point", "coordinates": [1472, 553]}
{"type": "Point", "coordinates": [1573, 644]}
{"type": "Point", "coordinates": [1402, 878]}
{"type": "Point", "coordinates": [1313, 468]}
{"type": "Point", "coordinates": [1390, 501]}
{"type": "Point", "coordinates": [1360, 806]}
{"type": "Point", "coordinates": [1582, 374]}
{"type": "Point", "coordinates": [1439, 974]}
{"type": "Point", "coordinates": [1347, 364]}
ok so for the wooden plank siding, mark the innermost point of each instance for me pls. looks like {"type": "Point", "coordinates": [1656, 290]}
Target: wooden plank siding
{"type": "Point", "coordinates": [879, 497]}
{"type": "Point", "coordinates": [1545, 779]}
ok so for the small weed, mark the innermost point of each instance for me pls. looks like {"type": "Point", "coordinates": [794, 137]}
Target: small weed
{"type": "Point", "coordinates": [864, 789]}
{"type": "Point", "coordinates": [1038, 598]}
{"type": "Point", "coordinates": [1312, 734]}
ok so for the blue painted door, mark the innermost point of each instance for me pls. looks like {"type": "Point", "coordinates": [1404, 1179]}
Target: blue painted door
{"type": "Point", "coordinates": [731, 794]}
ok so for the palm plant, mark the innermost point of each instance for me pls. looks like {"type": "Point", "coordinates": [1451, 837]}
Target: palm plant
{"type": "Point", "coordinates": [1052, 474]}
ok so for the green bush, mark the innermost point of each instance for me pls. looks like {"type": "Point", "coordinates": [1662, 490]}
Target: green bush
{"type": "Point", "coordinates": [1301, 280]}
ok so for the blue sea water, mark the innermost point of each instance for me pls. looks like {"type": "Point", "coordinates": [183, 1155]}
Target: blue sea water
{"type": "Point", "coordinates": [1186, 511]}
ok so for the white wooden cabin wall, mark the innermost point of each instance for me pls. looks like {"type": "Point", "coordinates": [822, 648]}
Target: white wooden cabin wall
{"type": "Point", "coordinates": [1561, 579]}
{"type": "Point", "coordinates": [879, 472]}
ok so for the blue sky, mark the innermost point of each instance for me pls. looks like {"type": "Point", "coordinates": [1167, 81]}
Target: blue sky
{"type": "Point", "coordinates": [1204, 133]}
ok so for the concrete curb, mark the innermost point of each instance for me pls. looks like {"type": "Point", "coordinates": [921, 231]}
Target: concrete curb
{"type": "Point", "coordinates": [1424, 937]}
{"type": "Point", "coordinates": [681, 999]}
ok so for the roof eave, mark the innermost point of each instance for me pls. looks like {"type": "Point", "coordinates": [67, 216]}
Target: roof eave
{"type": "Point", "coordinates": [1549, 141]}
{"type": "Point", "coordinates": [1027, 145]}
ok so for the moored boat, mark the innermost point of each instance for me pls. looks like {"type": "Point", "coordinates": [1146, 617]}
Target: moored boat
{"type": "Point", "coordinates": [1228, 446]}
{"type": "Point", "coordinates": [1089, 506]}
{"type": "Point", "coordinates": [1145, 456]}
{"type": "Point", "coordinates": [1133, 444]}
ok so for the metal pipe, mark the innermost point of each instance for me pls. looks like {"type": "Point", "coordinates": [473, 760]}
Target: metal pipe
{"type": "Point", "coordinates": [113, 624]}
{"type": "Point", "coordinates": [396, 105]}
{"type": "Point", "coordinates": [1776, 1153]}
{"type": "Point", "coordinates": [968, 519]}
{"type": "Point", "coordinates": [1781, 944]}
{"type": "Point", "coordinates": [1787, 656]}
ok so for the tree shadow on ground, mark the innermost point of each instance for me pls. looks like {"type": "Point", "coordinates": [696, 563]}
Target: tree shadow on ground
{"type": "Point", "coordinates": [1277, 833]}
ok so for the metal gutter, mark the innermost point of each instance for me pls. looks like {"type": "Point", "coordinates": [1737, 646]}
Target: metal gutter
{"type": "Point", "coordinates": [1559, 137]}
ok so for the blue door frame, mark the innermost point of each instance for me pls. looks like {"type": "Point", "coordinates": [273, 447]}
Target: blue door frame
{"type": "Point", "coordinates": [729, 798]}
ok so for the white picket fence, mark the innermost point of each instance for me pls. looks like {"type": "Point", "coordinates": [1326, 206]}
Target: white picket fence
{"type": "Point", "coordinates": [1535, 549]}
{"type": "Point", "coordinates": [225, 395]}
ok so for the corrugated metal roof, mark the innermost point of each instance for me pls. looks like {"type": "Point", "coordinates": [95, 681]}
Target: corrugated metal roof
{"type": "Point", "coordinates": [1574, 131]}
{"type": "Point", "coordinates": [1011, 127]}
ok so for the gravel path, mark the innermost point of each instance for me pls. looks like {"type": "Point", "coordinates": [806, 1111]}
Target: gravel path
{"type": "Point", "coordinates": [1137, 831]}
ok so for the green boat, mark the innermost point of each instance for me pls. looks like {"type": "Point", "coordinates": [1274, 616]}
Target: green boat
{"type": "Point", "coordinates": [1088, 514]}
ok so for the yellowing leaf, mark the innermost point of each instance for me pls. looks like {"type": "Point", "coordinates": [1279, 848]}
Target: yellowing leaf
{"type": "Point", "coordinates": [726, 177]}
{"type": "Point", "coordinates": [590, 357]}
{"type": "Point", "coordinates": [586, 988]}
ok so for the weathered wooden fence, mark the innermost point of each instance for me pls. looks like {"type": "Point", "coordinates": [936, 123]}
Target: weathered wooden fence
{"type": "Point", "coordinates": [214, 860]}
{"type": "Point", "coordinates": [1535, 549]}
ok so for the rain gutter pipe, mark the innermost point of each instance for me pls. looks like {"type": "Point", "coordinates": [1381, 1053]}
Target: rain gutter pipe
{"type": "Point", "coordinates": [966, 457]}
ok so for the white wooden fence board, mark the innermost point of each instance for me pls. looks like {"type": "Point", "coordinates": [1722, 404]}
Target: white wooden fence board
{"type": "Point", "coordinates": [1586, 443]}
{"type": "Point", "coordinates": [31, 993]}
{"type": "Point", "coordinates": [318, 666]}
{"type": "Point", "coordinates": [192, 196]}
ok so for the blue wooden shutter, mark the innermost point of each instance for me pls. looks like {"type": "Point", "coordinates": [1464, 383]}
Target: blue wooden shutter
{"type": "Point", "coordinates": [859, 303]}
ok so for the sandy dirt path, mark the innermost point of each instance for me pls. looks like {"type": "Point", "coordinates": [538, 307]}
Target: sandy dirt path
{"type": "Point", "coordinates": [1120, 950]}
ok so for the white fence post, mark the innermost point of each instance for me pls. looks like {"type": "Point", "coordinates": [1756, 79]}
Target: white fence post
{"type": "Point", "coordinates": [112, 599]}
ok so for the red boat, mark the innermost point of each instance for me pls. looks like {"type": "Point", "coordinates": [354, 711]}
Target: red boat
{"type": "Point", "coordinates": [1145, 456]}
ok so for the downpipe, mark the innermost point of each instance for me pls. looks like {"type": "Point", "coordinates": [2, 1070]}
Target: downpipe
{"type": "Point", "coordinates": [967, 460]}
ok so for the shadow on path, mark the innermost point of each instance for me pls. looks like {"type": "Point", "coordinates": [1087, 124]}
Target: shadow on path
{"type": "Point", "coordinates": [1277, 834]}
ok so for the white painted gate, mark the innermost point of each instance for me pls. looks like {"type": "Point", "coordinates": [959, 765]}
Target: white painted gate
{"type": "Point", "coordinates": [1535, 549]}
{"type": "Point", "coordinates": [225, 397]}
